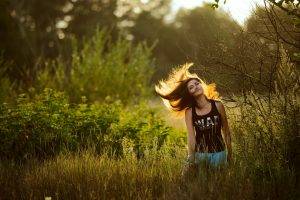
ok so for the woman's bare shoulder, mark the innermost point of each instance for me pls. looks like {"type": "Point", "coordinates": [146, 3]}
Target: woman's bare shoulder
{"type": "Point", "coordinates": [218, 102]}
{"type": "Point", "coordinates": [219, 106]}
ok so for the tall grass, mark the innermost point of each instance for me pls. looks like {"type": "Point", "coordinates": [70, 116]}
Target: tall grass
{"type": "Point", "coordinates": [157, 176]}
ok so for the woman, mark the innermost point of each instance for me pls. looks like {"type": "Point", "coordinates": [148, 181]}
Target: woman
{"type": "Point", "coordinates": [204, 113]}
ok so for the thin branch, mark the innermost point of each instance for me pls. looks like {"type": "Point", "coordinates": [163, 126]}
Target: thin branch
{"type": "Point", "coordinates": [279, 5]}
{"type": "Point", "coordinates": [273, 22]}
{"type": "Point", "coordinates": [282, 25]}
{"type": "Point", "coordinates": [241, 72]}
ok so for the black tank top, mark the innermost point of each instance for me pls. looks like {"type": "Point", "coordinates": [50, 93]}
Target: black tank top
{"type": "Point", "coordinates": [208, 130]}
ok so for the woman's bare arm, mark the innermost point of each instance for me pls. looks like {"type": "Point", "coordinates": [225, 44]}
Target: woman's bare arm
{"type": "Point", "coordinates": [191, 140]}
{"type": "Point", "coordinates": [225, 129]}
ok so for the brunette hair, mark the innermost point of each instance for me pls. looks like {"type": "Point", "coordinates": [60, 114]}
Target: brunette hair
{"type": "Point", "coordinates": [174, 91]}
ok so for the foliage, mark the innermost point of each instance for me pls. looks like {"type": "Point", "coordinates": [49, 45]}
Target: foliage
{"type": "Point", "coordinates": [46, 125]}
{"type": "Point", "coordinates": [267, 130]}
{"type": "Point", "coordinates": [270, 25]}
{"type": "Point", "coordinates": [101, 69]}
{"type": "Point", "coordinates": [29, 39]}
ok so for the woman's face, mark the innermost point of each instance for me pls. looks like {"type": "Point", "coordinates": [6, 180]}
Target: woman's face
{"type": "Point", "coordinates": [194, 87]}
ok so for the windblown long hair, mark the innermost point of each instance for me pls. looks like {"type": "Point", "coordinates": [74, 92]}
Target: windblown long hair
{"type": "Point", "coordinates": [174, 91]}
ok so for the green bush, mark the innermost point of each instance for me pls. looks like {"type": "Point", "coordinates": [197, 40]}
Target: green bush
{"type": "Point", "coordinates": [144, 128]}
{"type": "Point", "coordinates": [46, 124]}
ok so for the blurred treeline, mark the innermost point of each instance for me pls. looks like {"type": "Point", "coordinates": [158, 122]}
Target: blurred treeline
{"type": "Point", "coordinates": [43, 38]}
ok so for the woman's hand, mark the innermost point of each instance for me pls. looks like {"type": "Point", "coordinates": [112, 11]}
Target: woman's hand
{"type": "Point", "coordinates": [226, 132]}
{"type": "Point", "coordinates": [229, 158]}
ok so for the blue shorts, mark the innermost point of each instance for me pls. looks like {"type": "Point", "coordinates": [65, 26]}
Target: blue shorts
{"type": "Point", "coordinates": [215, 159]}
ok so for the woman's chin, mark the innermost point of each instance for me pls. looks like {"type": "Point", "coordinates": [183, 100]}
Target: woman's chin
{"type": "Point", "coordinates": [197, 94]}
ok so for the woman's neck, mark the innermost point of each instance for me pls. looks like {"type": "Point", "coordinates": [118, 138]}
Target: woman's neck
{"type": "Point", "coordinates": [201, 101]}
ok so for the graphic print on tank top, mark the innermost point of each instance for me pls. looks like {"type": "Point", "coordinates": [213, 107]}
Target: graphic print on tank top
{"type": "Point", "coordinates": [208, 130]}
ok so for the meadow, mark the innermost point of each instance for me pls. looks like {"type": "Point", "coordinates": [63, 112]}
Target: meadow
{"type": "Point", "coordinates": [141, 155]}
{"type": "Point", "coordinates": [92, 136]}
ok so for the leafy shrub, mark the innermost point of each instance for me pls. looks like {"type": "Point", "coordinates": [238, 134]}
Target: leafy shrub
{"type": "Point", "coordinates": [144, 127]}
{"type": "Point", "coordinates": [46, 124]}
